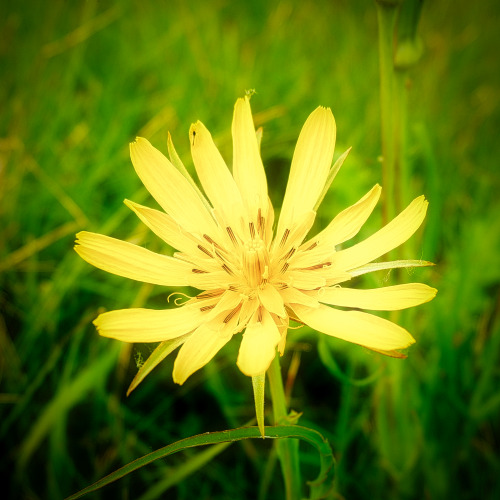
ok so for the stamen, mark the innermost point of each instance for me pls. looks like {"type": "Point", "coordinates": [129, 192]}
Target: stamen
{"type": "Point", "coordinates": [260, 223]}
{"type": "Point", "coordinates": [227, 269]}
{"type": "Point", "coordinates": [210, 293]}
{"type": "Point", "coordinates": [289, 253]}
{"type": "Point", "coordinates": [231, 315]}
{"type": "Point", "coordinates": [285, 237]}
{"type": "Point", "coordinates": [211, 241]}
{"type": "Point", "coordinates": [205, 251]}
{"type": "Point", "coordinates": [231, 235]}
{"type": "Point", "coordinates": [178, 298]}
{"type": "Point", "coordinates": [286, 265]}
{"type": "Point", "coordinates": [316, 266]}
{"type": "Point", "coordinates": [252, 230]}
{"type": "Point", "coordinates": [259, 314]}
{"type": "Point", "coordinates": [207, 308]}
{"type": "Point", "coordinates": [199, 271]}
{"type": "Point", "coordinates": [315, 244]}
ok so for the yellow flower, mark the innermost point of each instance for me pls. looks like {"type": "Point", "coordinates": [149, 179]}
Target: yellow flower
{"type": "Point", "coordinates": [253, 278]}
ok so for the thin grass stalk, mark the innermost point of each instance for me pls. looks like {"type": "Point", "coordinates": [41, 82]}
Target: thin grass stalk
{"type": "Point", "coordinates": [386, 15]}
{"type": "Point", "coordinates": [288, 451]}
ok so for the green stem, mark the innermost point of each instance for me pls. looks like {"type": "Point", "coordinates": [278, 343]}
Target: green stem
{"type": "Point", "coordinates": [386, 13]}
{"type": "Point", "coordinates": [402, 180]}
{"type": "Point", "coordinates": [288, 450]}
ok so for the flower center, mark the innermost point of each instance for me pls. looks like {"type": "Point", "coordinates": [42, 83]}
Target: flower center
{"type": "Point", "coordinates": [255, 262]}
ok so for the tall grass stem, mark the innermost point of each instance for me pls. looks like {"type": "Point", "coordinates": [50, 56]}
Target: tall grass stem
{"type": "Point", "coordinates": [386, 15]}
{"type": "Point", "coordinates": [288, 450]}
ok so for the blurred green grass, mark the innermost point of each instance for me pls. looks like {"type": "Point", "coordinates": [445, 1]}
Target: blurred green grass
{"type": "Point", "coordinates": [79, 81]}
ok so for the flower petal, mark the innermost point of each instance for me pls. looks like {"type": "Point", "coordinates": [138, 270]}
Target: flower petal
{"type": "Point", "coordinates": [389, 298]}
{"type": "Point", "coordinates": [311, 164]}
{"type": "Point", "coordinates": [149, 325]}
{"type": "Point", "coordinates": [347, 223]}
{"type": "Point", "coordinates": [205, 342]}
{"type": "Point", "coordinates": [389, 237]}
{"type": "Point", "coordinates": [248, 169]}
{"type": "Point", "coordinates": [357, 327]}
{"type": "Point", "coordinates": [271, 299]}
{"type": "Point", "coordinates": [165, 227]}
{"type": "Point", "coordinates": [214, 175]}
{"type": "Point", "coordinates": [131, 261]}
{"type": "Point", "coordinates": [170, 188]}
{"type": "Point", "coordinates": [295, 296]}
{"type": "Point", "coordinates": [258, 345]}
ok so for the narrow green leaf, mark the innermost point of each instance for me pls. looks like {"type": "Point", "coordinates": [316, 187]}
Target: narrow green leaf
{"type": "Point", "coordinates": [329, 362]}
{"type": "Point", "coordinates": [177, 163]}
{"type": "Point", "coordinates": [156, 357]}
{"type": "Point", "coordinates": [184, 470]}
{"type": "Point", "coordinates": [66, 398]}
{"type": "Point", "coordinates": [331, 175]}
{"type": "Point", "coordinates": [320, 487]}
{"type": "Point", "coordinates": [258, 383]}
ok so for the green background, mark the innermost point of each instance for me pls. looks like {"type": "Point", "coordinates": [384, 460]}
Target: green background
{"type": "Point", "coordinates": [78, 81]}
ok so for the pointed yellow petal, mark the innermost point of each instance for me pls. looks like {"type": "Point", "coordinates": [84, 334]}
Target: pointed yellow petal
{"type": "Point", "coordinates": [214, 175]}
{"type": "Point", "coordinates": [177, 163]}
{"type": "Point", "coordinates": [131, 261]}
{"type": "Point", "coordinates": [199, 349]}
{"type": "Point", "coordinates": [207, 281]}
{"type": "Point", "coordinates": [148, 325]}
{"type": "Point", "coordinates": [305, 280]}
{"type": "Point", "coordinates": [356, 327]}
{"type": "Point", "coordinates": [248, 169]}
{"type": "Point", "coordinates": [227, 303]}
{"type": "Point", "coordinates": [271, 299]}
{"type": "Point", "coordinates": [294, 296]}
{"type": "Point", "coordinates": [389, 298]}
{"type": "Point", "coordinates": [389, 237]}
{"type": "Point", "coordinates": [247, 310]}
{"type": "Point", "coordinates": [294, 237]}
{"type": "Point", "coordinates": [310, 167]}
{"type": "Point", "coordinates": [165, 227]}
{"type": "Point", "coordinates": [283, 329]}
{"type": "Point", "coordinates": [347, 223]}
{"type": "Point", "coordinates": [170, 188]}
{"type": "Point", "coordinates": [258, 345]}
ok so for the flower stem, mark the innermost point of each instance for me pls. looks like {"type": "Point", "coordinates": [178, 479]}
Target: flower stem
{"type": "Point", "coordinates": [288, 449]}
{"type": "Point", "coordinates": [386, 13]}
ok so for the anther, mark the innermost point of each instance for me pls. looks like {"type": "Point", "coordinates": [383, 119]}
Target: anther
{"type": "Point", "coordinates": [231, 315]}
{"type": "Point", "coordinates": [205, 251]}
{"type": "Point", "coordinates": [210, 293]}
{"type": "Point", "coordinates": [289, 253]}
{"type": "Point", "coordinates": [207, 308]}
{"type": "Point", "coordinates": [211, 241]}
{"type": "Point", "coordinates": [227, 269]}
{"type": "Point", "coordinates": [231, 235]}
{"type": "Point", "coordinates": [285, 237]}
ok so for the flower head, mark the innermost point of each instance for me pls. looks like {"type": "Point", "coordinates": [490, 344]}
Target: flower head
{"type": "Point", "coordinates": [253, 278]}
